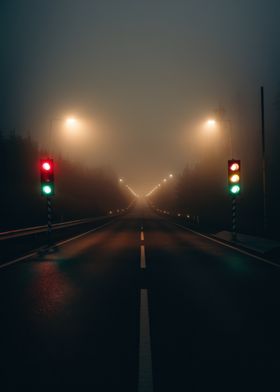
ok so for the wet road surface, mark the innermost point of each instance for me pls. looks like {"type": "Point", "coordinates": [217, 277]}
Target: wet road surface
{"type": "Point", "coordinates": [140, 305]}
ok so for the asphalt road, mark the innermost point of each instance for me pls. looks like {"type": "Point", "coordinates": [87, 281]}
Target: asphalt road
{"type": "Point", "coordinates": [117, 310]}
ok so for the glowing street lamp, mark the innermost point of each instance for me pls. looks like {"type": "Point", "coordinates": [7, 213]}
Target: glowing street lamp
{"type": "Point", "coordinates": [212, 124]}
{"type": "Point", "coordinates": [71, 121]}
{"type": "Point", "coordinates": [72, 125]}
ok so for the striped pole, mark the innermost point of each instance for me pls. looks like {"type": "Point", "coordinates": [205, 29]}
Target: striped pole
{"type": "Point", "coordinates": [234, 234]}
{"type": "Point", "coordinates": [49, 220]}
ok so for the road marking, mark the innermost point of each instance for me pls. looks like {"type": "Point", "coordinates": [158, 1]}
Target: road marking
{"type": "Point", "coordinates": [244, 252]}
{"type": "Point", "coordinates": [143, 257]}
{"type": "Point", "coordinates": [145, 380]}
{"type": "Point", "coordinates": [87, 232]}
{"type": "Point", "coordinates": [58, 244]}
{"type": "Point", "coordinates": [142, 235]}
{"type": "Point", "coordinates": [18, 260]}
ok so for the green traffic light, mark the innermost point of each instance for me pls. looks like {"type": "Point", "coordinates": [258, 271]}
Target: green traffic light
{"type": "Point", "coordinates": [235, 189]}
{"type": "Point", "coordinates": [47, 190]}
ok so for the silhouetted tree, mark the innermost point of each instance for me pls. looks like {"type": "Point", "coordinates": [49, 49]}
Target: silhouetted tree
{"type": "Point", "coordinates": [80, 192]}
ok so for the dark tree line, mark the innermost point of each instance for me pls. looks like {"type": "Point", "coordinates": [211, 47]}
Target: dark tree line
{"type": "Point", "coordinates": [80, 191]}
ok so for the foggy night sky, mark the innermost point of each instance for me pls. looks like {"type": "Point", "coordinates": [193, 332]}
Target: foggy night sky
{"type": "Point", "coordinates": [143, 74]}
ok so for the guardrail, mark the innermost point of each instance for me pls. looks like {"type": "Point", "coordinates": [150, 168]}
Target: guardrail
{"type": "Point", "coordinates": [5, 235]}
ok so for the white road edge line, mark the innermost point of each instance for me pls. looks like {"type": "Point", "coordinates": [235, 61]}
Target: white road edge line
{"type": "Point", "coordinates": [18, 260]}
{"type": "Point", "coordinates": [142, 236]}
{"type": "Point", "coordinates": [58, 244]}
{"type": "Point", "coordinates": [228, 246]}
{"type": "Point", "coordinates": [81, 235]}
{"type": "Point", "coordinates": [145, 380]}
{"type": "Point", "coordinates": [143, 257]}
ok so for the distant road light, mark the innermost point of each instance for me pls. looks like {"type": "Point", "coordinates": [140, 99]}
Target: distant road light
{"type": "Point", "coordinates": [132, 191]}
{"type": "Point", "coordinates": [170, 175]}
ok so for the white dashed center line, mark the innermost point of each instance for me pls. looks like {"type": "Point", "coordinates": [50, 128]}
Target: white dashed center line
{"type": "Point", "coordinates": [145, 381]}
{"type": "Point", "coordinates": [143, 257]}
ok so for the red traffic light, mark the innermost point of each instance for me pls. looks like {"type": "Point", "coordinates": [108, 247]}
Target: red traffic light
{"type": "Point", "coordinates": [47, 165]}
{"type": "Point", "coordinates": [234, 166]}
{"type": "Point", "coordinates": [47, 177]}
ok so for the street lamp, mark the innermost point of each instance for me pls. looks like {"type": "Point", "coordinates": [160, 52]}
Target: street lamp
{"type": "Point", "coordinates": [212, 123]}
{"type": "Point", "coordinates": [70, 123]}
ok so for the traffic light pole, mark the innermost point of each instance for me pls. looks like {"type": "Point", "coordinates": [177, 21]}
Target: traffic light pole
{"type": "Point", "coordinates": [49, 202]}
{"type": "Point", "coordinates": [265, 224]}
{"type": "Point", "coordinates": [234, 233]}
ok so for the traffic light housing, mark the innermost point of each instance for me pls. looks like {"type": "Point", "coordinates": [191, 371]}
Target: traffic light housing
{"type": "Point", "coordinates": [47, 177]}
{"type": "Point", "coordinates": [234, 187]}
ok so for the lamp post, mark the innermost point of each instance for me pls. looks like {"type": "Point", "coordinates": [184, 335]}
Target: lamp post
{"type": "Point", "coordinates": [229, 135]}
{"type": "Point", "coordinates": [70, 122]}
{"type": "Point", "coordinates": [212, 123]}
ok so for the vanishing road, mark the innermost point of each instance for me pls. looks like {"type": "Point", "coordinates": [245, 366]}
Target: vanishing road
{"type": "Point", "coordinates": [140, 305]}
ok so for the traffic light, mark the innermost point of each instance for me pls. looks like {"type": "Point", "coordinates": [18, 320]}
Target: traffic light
{"type": "Point", "coordinates": [234, 177]}
{"type": "Point", "coordinates": [47, 177]}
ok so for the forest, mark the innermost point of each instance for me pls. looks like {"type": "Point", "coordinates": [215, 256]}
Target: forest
{"type": "Point", "coordinates": [79, 191]}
